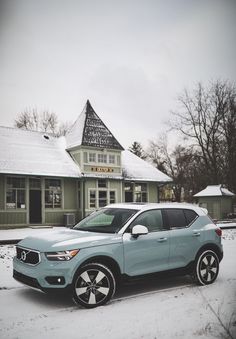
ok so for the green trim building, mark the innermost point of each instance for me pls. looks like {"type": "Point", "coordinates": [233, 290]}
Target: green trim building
{"type": "Point", "coordinates": [217, 200]}
{"type": "Point", "coordinates": [56, 181]}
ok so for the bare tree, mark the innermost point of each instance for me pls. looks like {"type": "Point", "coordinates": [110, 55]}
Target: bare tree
{"type": "Point", "coordinates": [155, 154]}
{"type": "Point", "coordinates": [182, 164]}
{"type": "Point", "coordinates": [45, 121]}
{"type": "Point", "coordinates": [207, 117]}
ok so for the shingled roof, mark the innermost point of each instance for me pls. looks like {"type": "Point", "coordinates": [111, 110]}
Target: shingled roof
{"type": "Point", "coordinates": [89, 130]}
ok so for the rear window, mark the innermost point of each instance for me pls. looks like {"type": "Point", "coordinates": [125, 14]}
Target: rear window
{"type": "Point", "coordinates": [176, 218]}
{"type": "Point", "coordinates": [190, 216]}
{"type": "Point", "coordinates": [180, 218]}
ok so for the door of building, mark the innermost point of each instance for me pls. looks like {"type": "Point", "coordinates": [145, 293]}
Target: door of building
{"type": "Point", "coordinates": [35, 211]}
{"type": "Point", "coordinates": [35, 203]}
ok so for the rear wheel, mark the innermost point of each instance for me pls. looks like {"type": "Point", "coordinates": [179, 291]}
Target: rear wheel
{"type": "Point", "coordinates": [94, 285]}
{"type": "Point", "coordinates": [206, 268]}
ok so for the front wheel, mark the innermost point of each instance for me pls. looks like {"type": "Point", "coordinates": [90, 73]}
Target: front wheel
{"type": "Point", "coordinates": [94, 285]}
{"type": "Point", "coordinates": [206, 268]}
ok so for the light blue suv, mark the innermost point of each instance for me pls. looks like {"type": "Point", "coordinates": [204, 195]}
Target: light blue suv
{"type": "Point", "coordinates": [120, 241]}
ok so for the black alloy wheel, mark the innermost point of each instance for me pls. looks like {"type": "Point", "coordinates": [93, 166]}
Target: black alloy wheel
{"type": "Point", "coordinates": [207, 267]}
{"type": "Point", "coordinates": [94, 285]}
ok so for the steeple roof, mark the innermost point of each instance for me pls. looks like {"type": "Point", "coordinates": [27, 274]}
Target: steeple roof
{"type": "Point", "coordinates": [89, 130]}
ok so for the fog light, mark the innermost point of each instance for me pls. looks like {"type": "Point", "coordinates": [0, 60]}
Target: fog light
{"type": "Point", "coordinates": [55, 280]}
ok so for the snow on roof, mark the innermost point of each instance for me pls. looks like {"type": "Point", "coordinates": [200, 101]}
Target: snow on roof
{"type": "Point", "coordinates": [214, 191]}
{"type": "Point", "coordinates": [37, 153]}
{"type": "Point", "coordinates": [34, 153]}
{"type": "Point", "coordinates": [90, 130]}
{"type": "Point", "coordinates": [75, 135]}
{"type": "Point", "coordinates": [134, 168]}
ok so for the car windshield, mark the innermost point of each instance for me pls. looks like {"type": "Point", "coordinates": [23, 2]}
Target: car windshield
{"type": "Point", "coordinates": [106, 220]}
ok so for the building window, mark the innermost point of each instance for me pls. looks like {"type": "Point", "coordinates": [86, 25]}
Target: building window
{"type": "Point", "coordinates": [102, 195]}
{"type": "Point", "coordinates": [53, 193]}
{"type": "Point", "coordinates": [128, 192]}
{"type": "Point", "coordinates": [111, 159]}
{"type": "Point", "coordinates": [92, 157]}
{"type": "Point", "coordinates": [140, 192]}
{"type": "Point", "coordinates": [92, 199]}
{"type": "Point", "coordinates": [102, 183]}
{"type": "Point", "coordinates": [118, 160]}
{"type": "Point", "coordinates": [102, 198]}
{"type": "Point", "coordinates": [102, 158]}
{"type": "Point", "coordinates": [15, 194]}
{"type": "Point", "coordinates": [85, 157]}
{"type": "Point", "coordinates": [112, 197]}
{"type": "Point", "coordinates": [136, 192]}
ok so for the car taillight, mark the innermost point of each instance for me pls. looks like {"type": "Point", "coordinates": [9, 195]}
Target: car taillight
{"type": "Point", "coordinates": [218, 232]}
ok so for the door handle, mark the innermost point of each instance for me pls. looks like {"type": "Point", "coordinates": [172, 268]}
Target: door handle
{"type": "Point", "coordinates": [196, 234]}
{"type": "Point", "coordinates": [162, 239]}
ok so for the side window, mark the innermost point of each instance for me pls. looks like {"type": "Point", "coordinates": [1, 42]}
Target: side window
{"type": "Point", "coordinates": [190, 216]}
{"type": "Point", "coordinates": [151, 219]}
{"type": "Point", "coordinates": [176, 218]}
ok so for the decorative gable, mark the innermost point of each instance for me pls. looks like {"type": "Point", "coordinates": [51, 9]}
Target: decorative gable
{"type": "Point", "coordinates": [90, 131]}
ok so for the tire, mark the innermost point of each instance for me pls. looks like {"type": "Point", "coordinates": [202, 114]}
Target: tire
{"type": "Point", "coordinates": [206, 268]}
{"type": "Point", "coordinates": [94, 285]}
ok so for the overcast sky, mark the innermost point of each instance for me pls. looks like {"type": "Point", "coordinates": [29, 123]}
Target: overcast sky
{"type": "Point", "coordinates": [129, 58]}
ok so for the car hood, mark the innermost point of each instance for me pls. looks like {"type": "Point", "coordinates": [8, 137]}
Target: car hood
{"type": "Point", "coordinates": [68, 240]}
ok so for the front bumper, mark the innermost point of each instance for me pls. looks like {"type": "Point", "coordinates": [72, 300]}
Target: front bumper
{"type": "Point", "coordinates": [47, 275]}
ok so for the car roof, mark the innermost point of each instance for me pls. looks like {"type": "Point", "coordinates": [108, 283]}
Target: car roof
{"type": "Point", "coordinates": [147, 206]}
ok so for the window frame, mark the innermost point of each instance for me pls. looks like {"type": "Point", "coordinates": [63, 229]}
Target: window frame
{"type": "Point", "coordinates": [183, 210]}
{"type": "Point", "coordinates": [54, 192]}
{"type": "Point", "coordinates": [102, 158]}
{"type": "Point", "coordinates": [165, 225]}
{"type": "Point", "coordinates": [112, 159]}
{"type": "Point", "coordinates": [17, 190]}
{"type": "Point", "coordinates": [132, 189]}
{"type": "Point", "coordinates": [97, 189]}
{"type": "Point", "coordinates": [140, 192]}
{"type": "Point", "coordinates": [92, 157]}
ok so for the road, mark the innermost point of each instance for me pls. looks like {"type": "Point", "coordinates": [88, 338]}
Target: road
{"type": "Point", "coordinates": [166, 308]}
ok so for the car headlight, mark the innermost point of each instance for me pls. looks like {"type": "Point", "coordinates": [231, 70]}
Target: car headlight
{"type": "Point", "coordinates": [61, 255]}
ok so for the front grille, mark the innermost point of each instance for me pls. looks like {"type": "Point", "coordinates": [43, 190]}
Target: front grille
{"type": "Point", "coordinates": [26, 280]}
{"type": "Point", "coordinates": [27, 256]}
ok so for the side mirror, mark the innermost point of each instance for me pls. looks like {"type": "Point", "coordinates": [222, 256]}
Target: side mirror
{"type": "Point", "coordinates": [139, 230]}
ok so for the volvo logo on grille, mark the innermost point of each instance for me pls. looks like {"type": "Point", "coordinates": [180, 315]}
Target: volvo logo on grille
{"type": "Point", "coordinates": [23, 256]}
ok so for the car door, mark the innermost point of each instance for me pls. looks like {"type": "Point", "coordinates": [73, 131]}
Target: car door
{"type": "Point", "coordinates": [185, 239]}
{"type": "Point", "coordinates": [147, 253]}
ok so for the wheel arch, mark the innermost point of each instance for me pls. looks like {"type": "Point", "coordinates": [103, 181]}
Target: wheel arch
{"type": "Point", "coordinates": [210, 247]}
{"type": "Point", "coordinates": [104, 260]}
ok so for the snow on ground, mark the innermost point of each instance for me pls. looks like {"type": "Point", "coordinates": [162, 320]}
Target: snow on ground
{"type": "Point", "coordinates": [166, 308]}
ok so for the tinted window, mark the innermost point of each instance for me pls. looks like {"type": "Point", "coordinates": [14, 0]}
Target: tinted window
{"type": "Point", "coordinates": [176, 218]}
{"type": "Point", "coordinates": [190, 216]}
{"type": "Point", "coordinates": [151, 219]}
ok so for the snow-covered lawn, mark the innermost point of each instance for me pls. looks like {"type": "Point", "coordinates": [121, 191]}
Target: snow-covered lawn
{"type": "Point", "coordinates": [166, 308]}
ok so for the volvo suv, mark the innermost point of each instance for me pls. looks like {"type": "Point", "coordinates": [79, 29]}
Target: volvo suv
{"type": "Point", "coordinates": [120, 241]}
